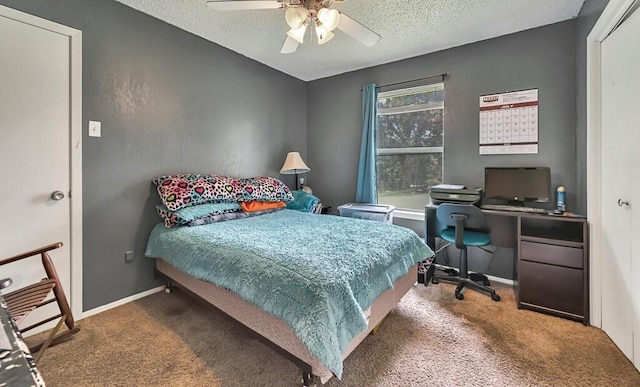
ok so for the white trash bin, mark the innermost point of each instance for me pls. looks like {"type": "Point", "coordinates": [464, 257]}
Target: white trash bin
{"type": "Point", "coordinates": [377, 212]}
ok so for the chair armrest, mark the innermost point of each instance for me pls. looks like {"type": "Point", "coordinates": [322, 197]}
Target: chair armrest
{"type": "Point", "coordinates": [31, 253]}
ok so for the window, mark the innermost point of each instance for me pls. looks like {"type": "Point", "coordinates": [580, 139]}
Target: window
{"type": "Point", "coordinates": [410, 145]}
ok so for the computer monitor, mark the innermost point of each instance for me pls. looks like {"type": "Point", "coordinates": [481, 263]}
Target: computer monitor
{"type": "Point", "coordinates": [518, 184]}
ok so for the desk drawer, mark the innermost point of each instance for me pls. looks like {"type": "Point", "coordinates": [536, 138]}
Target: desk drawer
{"type": "Point", "coordinates": [551, 254]}
{"type": "Point", "coordinates": [553, 287]}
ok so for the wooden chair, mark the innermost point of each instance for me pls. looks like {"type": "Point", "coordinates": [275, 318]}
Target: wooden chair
{"type": "Point", "coordinates": [23, 301]}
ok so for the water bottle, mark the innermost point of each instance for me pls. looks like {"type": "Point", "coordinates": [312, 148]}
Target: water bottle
{"type": "Point", "coordinates": [560, 199]}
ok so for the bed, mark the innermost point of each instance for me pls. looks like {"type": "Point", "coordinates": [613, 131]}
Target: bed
{"type": "Point", "coordinates": [311, 286]}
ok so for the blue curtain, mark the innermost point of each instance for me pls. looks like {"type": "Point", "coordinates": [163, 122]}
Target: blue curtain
{"type": "Point", "coordinates": [366, 187]}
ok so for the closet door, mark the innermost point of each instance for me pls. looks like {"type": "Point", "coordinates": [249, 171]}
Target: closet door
{"type": "Point", "coordinates": [620, 175]}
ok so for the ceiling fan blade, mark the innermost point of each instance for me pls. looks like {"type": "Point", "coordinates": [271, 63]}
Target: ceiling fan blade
{"type": "Point", "coordinates": [230, 5]}
{"type": "Point", "coordinates": [357, 31]}
{"type": "Point", "coordinates": [290, 46]}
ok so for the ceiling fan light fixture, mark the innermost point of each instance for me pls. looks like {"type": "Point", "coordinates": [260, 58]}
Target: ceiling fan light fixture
{"type": "Point", "coordinates": [298, 33]}
{"type": "Point", "coordinates": [323, 35]}
{"type": "Point", "coordinates": [326, 37]}
{"type": "Point", "coordinates": [329, 18]}
{"type": "Point", "coordinates": [295, 17]}
{"type": "Point", "coordinates": [300, 14]}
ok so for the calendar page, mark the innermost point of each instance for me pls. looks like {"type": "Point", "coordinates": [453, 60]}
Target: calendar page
{"type": "Point", "coordinates": [509, 123]}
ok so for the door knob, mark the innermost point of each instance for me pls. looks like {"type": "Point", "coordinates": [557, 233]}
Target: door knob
{"type": "Point", "coordinates": [57, 195]}
{"type": "Point", "coordinates": [621, 202]}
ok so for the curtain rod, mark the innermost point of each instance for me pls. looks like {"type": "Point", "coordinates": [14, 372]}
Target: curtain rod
{"type": "Point", "coordinates": [443, 76]}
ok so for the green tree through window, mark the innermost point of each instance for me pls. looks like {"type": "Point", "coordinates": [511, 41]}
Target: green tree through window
{"type": "Point", "coordinates": [410, 145]}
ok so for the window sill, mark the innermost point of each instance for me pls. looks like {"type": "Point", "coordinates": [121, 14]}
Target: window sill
{"type": "Point", "coordinates": [409, 215]}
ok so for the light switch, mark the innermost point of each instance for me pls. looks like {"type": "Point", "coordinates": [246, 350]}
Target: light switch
{"type": "Point", "coordinates": [95, 129]}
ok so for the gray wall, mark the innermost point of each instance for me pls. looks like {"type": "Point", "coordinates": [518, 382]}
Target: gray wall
{"type": "Point", "coordinates": [168, 102]}
{"type": "Point", "coordinates": [172, 102]}
{"type": "Point", "coordinates": [542, 58]}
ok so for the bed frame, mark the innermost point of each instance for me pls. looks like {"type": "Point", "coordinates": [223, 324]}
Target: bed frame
{"type": "Point", "coordinates": [275, 332]}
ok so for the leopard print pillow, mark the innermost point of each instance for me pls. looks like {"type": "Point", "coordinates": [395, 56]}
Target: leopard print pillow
{"type": "Point", "coordinates": [192, 213]}
{"type": "Point", "coordinates": [265, 189]}
{"type": "Point", "coordinates": [184, 190]}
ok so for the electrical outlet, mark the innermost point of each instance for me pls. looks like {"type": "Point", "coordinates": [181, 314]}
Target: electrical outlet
{"type": "Point", "coordinates": [128, 256]}
{"type": "Point", "coordinates": [95, 129]}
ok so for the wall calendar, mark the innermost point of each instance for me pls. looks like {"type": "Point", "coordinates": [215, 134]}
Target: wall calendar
{"type": "Point", "coordinates": [509, 123]}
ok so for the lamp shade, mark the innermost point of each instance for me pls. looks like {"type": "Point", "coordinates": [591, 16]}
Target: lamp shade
{"type": "Point", "coordinates": [293, 164]}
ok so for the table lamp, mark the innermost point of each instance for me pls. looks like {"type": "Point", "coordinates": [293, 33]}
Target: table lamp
{"type": "Point", "coordinates": [293, 165]}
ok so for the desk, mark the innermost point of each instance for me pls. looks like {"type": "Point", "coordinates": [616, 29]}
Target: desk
{"type": "Point", "coordinates": [17, 367]}
{"type": "Point", "coordinates": [552, 259]}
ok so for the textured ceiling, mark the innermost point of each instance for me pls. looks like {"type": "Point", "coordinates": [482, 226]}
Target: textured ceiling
{"type": "Point", "coordinates": [408, 28]}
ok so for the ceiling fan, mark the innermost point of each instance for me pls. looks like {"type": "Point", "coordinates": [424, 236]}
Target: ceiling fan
{"type": "Point", "coordinates": [300, 14]}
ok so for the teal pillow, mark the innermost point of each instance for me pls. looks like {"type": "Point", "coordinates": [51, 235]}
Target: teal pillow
{"type": "Point", "coordinates": [302, 201]}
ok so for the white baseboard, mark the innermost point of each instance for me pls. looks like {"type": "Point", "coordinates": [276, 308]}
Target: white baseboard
{"type": "Point", "coordinates": [490, 277]}
{"type": "Point", "coordinates": [123, 301]}
{"type": "Point", "coordinates": [500, 279]}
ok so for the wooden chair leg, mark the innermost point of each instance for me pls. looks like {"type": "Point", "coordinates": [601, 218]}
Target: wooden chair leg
{"type": "Point", "coordinates": [50, 338]}
{"type": "Point", "coordinates": [61, 299]}
{"type": "Point", "coordinates": [56, 339]}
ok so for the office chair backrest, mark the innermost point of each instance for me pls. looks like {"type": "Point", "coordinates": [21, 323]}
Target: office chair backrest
{"type": "Point", "coordinates": [461, 217]}
{"type": "Point", "coordinates": [475, 217]}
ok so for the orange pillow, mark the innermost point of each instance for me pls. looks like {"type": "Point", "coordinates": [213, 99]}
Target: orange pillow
{"type": "Point", "coordinates": [257, 205]}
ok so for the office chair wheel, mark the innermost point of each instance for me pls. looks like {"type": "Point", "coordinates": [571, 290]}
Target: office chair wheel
{"type": "Point", "coordinates": [495, 297]}
{"type": "Point", "coordinates": [435, 281]}
{"type": "Point", "coordinates": [460, 296]}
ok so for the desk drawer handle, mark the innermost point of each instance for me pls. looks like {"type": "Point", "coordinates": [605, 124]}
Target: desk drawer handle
{"type": "Point", "coordinates": [621, 202]}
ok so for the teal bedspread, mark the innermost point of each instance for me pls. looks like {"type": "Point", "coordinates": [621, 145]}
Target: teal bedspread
{"type": "Point", "coordinates": [318, 273]}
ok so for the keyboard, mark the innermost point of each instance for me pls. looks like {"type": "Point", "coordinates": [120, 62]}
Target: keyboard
{"type": "Point", "coordinates": [504, 207]}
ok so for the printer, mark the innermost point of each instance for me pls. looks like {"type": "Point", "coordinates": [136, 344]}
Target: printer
{"type": "Point", "coordinates": [448, 193]}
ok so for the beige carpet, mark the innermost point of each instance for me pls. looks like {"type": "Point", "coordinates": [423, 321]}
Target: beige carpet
{"type": "Point", "coordinates": [429, 339]}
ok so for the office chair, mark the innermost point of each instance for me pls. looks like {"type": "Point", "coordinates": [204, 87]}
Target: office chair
{"type": "Point", "coordinates": [463, 222]}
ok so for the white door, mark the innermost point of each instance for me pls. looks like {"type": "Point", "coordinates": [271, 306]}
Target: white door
{"type": "Point", "coordinates": [620, 175]}
{"type": "Point", "coordinates": [35, 161]}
